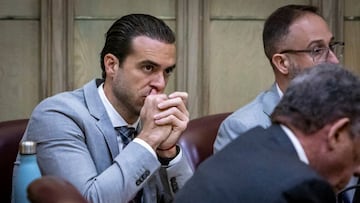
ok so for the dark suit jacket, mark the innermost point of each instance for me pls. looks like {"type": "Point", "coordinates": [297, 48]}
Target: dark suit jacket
{"type": "Point", "coordinates": [261, 166]}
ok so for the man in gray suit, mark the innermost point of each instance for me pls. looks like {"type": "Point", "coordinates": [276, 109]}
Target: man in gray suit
{"type": "Point", "coordinates": [81, 135]}
{"type": "Point", "coordinates": [295, 37]}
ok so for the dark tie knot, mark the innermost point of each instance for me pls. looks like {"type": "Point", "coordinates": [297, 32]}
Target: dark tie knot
{"type": "Point", "coordinates": [126, 133]}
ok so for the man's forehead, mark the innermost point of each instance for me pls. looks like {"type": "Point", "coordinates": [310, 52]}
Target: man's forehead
{"type": "Point", "coordinates": [309, 29]}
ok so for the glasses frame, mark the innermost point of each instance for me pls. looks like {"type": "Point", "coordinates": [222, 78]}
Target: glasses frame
{"type": "Point", "coordinates": [340, 196]}
{"type": "Point", "coordinates": [332, 46]}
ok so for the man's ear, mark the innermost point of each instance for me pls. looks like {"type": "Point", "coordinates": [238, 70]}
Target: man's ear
{"type": "Point", "coordinates": [111, 64]}
{"type": "Point", "coordinates": [338, 129]}
{"type": "Point", "coordinates": [281, 63]}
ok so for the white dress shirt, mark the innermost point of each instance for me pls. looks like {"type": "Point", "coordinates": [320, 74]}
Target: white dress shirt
{"type": "Point", "coordinates": [296, 143]}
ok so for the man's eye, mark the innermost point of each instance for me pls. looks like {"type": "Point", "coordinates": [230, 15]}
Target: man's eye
{"type": "Point", "coordinates": [318, 50]}
{"type": "Point", "coordinates": [148, 68]}
{"type": "Point", "coordinates": [333, 45]}
{"type": "Point", "coordinates": [169, 71]}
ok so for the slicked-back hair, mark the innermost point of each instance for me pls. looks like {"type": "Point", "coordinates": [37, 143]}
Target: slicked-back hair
{"type": "Point", "coordinates": [277, 25]}
{"type": "Point", "coordinates": [120, 35]}
{"type": "Point", "coordinates": [319, 96]}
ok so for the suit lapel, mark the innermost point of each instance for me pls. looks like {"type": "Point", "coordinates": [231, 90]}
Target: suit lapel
{"type": "Point", "coordinates": [110, 136]}
{"type": "Point", "coordinates": [97, 110]}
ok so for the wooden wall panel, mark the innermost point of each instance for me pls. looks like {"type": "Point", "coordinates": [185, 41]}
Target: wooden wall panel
{"type": "Point", "coordinates": [352, 33]}
{"type": "Point", "coordinates": [352, 7]}
{"type": "Point", "coordinates": [20, 58]}
{"type": "Point", "coordinates": [352, 46]}
{"type": "Point", "coordinates": [19, 68]}
{"type": "Point", "coordinates": [249, 8]}
{"type": "Point", "coordinates": [27, 8]}
{"type": "Point", "coordinates": [88, 42]}
{"type": "Point", "coordinates": [239, 69]}
{"type": "Point", "coordinates": [117, 8]}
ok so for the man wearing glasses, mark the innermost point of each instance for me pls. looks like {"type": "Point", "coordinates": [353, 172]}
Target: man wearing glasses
{"type": "Point", "coordinates": [295, 37]}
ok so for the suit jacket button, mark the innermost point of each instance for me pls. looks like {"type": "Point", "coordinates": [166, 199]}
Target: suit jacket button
{"type": "Point", "coordinates": [144, 176]}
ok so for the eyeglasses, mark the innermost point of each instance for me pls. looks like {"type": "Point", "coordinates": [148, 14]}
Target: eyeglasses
{"type": "Point", "coordinates": [321, 54]}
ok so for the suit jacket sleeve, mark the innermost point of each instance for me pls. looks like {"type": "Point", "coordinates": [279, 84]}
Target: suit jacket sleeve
{"type": "Point", "coordinates": [228, 131]}
{"type": "Point", "coordinates": [256, 113]}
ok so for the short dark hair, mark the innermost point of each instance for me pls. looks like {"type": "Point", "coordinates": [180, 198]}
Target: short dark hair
{"type": "Point", "coordinates": [120, 35]}
{"type": "Point", "coordinates": [319, 96]}
{"type": "Point", "coordinates": [277, 25]}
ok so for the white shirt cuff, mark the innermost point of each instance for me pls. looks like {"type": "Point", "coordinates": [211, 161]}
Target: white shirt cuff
{"type": "Point", "coordinates": [150, 149]}
{"type": "Point", "coordinates": [146, 145]}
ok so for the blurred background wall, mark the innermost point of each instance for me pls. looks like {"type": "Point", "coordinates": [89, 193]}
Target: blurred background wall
{"type": "Point", "coordinates": [50, 46]}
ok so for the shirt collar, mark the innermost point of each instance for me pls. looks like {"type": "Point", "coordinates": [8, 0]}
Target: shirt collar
{"type": "Point", "coordinates": [296, 143]}
{"type": "Point", "coordinates": [279, 91]}
{"type": "Point", "coordinates": [116, 119]}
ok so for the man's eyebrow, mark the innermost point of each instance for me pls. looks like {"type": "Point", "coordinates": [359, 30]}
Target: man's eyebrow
{"type": "Point", "coordinates": [149, 62]}
{"type": "Point", "coordinates": [320, 41]}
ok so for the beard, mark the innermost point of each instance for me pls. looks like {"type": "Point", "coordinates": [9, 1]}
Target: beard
{"type": "Point", "coordinates": [294, 70]}
{"type": "Point", "coordinates": [129, 101]}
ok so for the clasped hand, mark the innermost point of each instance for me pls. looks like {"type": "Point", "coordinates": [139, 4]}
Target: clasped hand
{"type": "Point", "coordinates": [164, 118]}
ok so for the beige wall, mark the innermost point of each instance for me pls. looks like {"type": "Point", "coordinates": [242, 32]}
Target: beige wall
{"type": "Point", "coordinates": [351, 35]}
{"type": "Point", "coordinates": [49, 46]}
{"type": "Point", "coordinates": [19, 57]}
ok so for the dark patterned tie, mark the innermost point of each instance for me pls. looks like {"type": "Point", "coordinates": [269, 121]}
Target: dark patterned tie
{"type": "Point", "coordinates": [127, 134]}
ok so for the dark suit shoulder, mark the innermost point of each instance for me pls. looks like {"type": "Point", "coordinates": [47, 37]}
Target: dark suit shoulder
{"type": "Point", "coordinates": [311, 191]}
{"type": "Point", "coordinates": [260, 166]}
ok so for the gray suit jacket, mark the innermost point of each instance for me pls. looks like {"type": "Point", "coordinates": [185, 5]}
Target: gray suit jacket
{"type": "Point", "coordinates": [76, 141]}
{"type": "Point", "coordinates": [253, 114]}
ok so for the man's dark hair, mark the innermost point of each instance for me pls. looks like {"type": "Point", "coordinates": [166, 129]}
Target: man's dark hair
{"type": "Point", "coordinates": [277, 25]}
{"type": "Point", "coordinates": [320, 96]}
{"type": "Point", "coordinates": [120, 35]}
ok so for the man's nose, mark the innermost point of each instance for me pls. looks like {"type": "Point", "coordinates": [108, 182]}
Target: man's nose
{"type": "Point", "coordinates": [332, 58]}
{"type": "Point", "coordinates": [159, 82]}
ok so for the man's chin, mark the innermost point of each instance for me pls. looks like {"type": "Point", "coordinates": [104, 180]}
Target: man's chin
{"type": "Point", "coordinates": [340, 186]}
